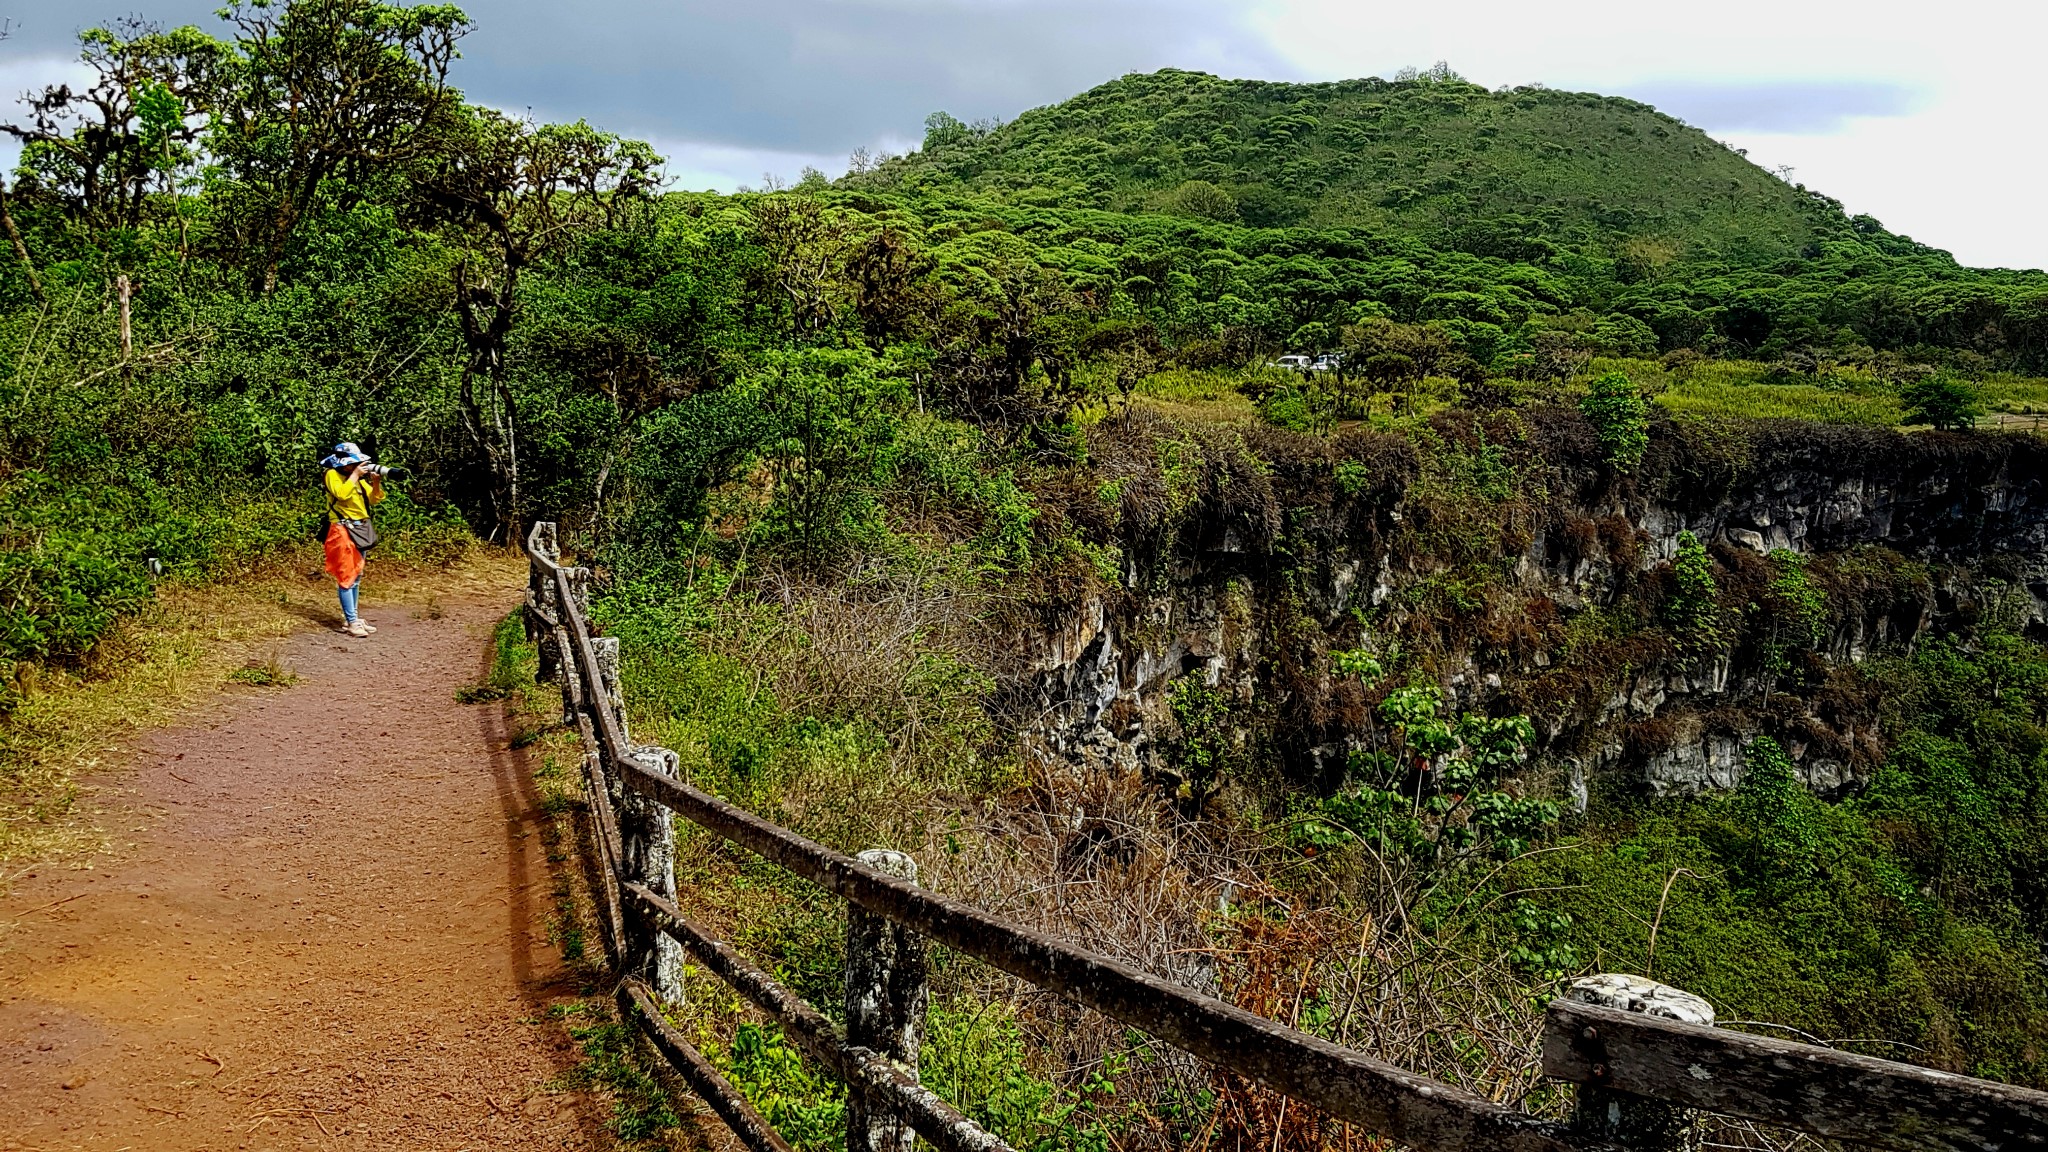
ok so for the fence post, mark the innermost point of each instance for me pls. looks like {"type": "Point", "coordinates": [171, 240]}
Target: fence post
{"type": "Point", "coordinates": [540, 595]}
{"type": "Point", "coordinates": [1627, 1121]}
{"type": "Point", "coordinates": [885, 1007]}
{"type": "Point", "coordinates": [647, 840]}
{"type": "Point", "coordinates": [578, 582]}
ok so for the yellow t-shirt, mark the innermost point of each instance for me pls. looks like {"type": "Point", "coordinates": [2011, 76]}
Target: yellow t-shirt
{"type": "Point", "coordinates": [351, 499]}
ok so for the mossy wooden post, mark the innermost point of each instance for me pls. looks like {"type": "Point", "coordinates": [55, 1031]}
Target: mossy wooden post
{"type": "Point", "coordinates": [885, 1008]}
{"type": "Point", "coordinates": [578, 581]}
{"type": "Point", "coordinates": [647, 841]}
{"type": "Point", "coordinates": [1623, 1119]}
{"type": "Point", "coordinates": [543, 613]}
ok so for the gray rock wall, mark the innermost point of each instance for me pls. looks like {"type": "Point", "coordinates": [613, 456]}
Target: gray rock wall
{"type": "Point", "coordinates": [1214, 602]}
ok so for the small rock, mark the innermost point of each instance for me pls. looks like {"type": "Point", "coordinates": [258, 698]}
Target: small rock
{"type": "Point", "coordinates": [1639, 994]}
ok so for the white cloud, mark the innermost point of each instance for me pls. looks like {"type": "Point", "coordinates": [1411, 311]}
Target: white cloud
{"type": "Point", "coordinates": [698, 167]}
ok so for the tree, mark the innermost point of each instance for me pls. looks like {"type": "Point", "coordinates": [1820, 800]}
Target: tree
{"type": "Point", "coordinates": [891, 278]}
{"type": "Point", "coordinates": [1944, 400]}
{"type": "Point", "coordinates": [1620, 418]}
{"type": "Point", "coordinates": [100, 151]}
{"type": "Point", "coordinates": [807, 246]}
{"type": "Point", "coordinates": [1202, 200]}
{"type": "Point", "coordinates": [831, 415]}
{"type": "Point", "coordinates": [943, 128]}
{"type": "Point", "coordinates": [1001, 319]}
{"type": "Point", "coordinates": [325, 99]}
{"type": "Point", "coordinates": [509, 193]}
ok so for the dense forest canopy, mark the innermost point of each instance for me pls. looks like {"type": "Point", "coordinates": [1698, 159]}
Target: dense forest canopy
{"type": "Point", "coordinates": [1029, 367]}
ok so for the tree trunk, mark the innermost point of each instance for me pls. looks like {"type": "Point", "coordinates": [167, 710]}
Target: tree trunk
{"type": "Point", "coordinates": [496, 433]}
{"type": "Point", "coordinates": [35, 282]}
{"type": "Point", "coordinates": [126, 289]}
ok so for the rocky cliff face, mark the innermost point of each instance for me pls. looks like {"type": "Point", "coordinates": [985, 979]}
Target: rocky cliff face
{"type": "Point", "coordinates": [1536, 588]}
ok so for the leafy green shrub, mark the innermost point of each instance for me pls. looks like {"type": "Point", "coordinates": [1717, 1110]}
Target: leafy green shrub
{"type": "Point", "coordinates": [974, 1057]}
{"type": "Point", "coordinates": [1794, 611]}
{"type": "Point", "coordinates": [1205, 742]}
{"type": "Point", "coordinates": [1620, 418]}
{"type": "Point", "coordinates": [1693, 612]}
{"type": "Point", "coordinates": [806, 1108]}
{"type": "Point", "coordinates": [1944, 400]}
{"type": "Point", "coordinates": [1435, 795]}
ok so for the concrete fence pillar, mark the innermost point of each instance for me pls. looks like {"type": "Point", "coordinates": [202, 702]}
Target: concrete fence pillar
{"type": "Point", "coordinates": [1627, 1121]}
{"type": "Point", "coordinates": [886, 995]}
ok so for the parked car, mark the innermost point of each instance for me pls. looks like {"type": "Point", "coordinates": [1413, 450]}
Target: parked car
{"type": "Point", "coordinates": [1302, 362]}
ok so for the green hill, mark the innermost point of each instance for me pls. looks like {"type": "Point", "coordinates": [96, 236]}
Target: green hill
{"type": "Point", "coordinates": [1495, 173]}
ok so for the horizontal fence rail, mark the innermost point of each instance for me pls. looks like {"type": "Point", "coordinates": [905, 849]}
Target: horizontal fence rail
{"type": "Point", "coordinates": [1822, 1091]}
{"type": "Point", "coordinates": [1624, 1061]}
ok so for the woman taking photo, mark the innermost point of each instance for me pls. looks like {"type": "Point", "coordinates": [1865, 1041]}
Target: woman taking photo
{"type": "Point", "coordinates": [354, 485]}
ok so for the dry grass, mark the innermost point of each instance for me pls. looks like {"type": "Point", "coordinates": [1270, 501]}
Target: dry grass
{"type": "Point", "coordinates": [75, 724]}
{"type": "Point", "coordinates": [267, 672]}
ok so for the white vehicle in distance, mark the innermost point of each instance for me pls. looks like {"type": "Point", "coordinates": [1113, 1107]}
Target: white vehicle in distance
{"type": "Point", "coordinates": [1299, 362]}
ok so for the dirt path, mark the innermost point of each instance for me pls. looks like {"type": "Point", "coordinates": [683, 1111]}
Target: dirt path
{"type": "Point", "coordinates": [333, 933]}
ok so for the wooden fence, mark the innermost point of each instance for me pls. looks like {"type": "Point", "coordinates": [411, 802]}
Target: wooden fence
{"type": "Point", "coordinates": [1640, 1073]}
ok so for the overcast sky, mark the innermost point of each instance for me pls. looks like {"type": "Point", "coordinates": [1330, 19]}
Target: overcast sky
{"type": "Point", "coordinates": [1926, 116]}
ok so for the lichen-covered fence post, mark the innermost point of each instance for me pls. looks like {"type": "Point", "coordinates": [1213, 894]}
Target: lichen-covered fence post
{"type": "Point", "coordinates": [543, 614]}
{"type": "Point", "coordinates": [1623, 1119]}
{"type": "Point", "coordinates": [885, 1008]}
{"type": "Point", "coordinates": [647, 839]}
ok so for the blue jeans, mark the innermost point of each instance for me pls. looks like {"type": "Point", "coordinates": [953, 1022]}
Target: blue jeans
{"type": "Point", "coordinates": [348, 601]}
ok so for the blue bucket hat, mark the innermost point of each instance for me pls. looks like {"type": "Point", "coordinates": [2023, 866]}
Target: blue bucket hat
{"type": "Point", "coordinates": [345, 454]}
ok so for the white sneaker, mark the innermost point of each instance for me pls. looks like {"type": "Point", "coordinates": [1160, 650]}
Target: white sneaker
{"type": "Point", "coordinates": [358, 629]}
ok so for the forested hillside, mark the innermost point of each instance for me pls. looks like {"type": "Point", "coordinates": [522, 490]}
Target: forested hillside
{"type": "Point", "coordinates": [1649, 586]}
{"type": "Point", "coordinates": [1494, 173]}
{"type": "Point", "coordinates": [1585, 202]}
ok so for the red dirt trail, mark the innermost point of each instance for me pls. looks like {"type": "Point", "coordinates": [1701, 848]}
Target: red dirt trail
{"type": "Point", "coordinates": [332, 935]}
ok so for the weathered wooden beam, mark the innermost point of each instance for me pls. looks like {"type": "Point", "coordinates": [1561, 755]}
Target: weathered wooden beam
{"type": "Point", "coordinates": [604, 831]}
{"type": "Point", "coordinates": [821, 1040]}
{"type": "Point", "coordinates": [1636, 1123]}
{"type": "Point", "coordinates": [711, 1087]}
{"type": "Point", "coordinates": [541, 617]}
{"type": "Point", "coordinates": [1800, 1086]}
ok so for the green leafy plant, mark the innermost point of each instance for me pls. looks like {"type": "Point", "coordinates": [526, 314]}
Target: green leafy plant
{"type": "Point", "coordinates": [1435, 796]}
{"type": "Point", "coordinates": [1205, 744]}
{"type": "Point", "coordinates": [1620, 418]}
{"type": "Point", "coordinates": [806, 1109]}
{"type": "Point", "coordinates": [1793, 611]}
{"type": "Point", "coordinates": [268, 672]}
{"type": "Point", "coordinates": [1693, 611]}
{"type": "Point", "coordinates": [1944, 400]}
